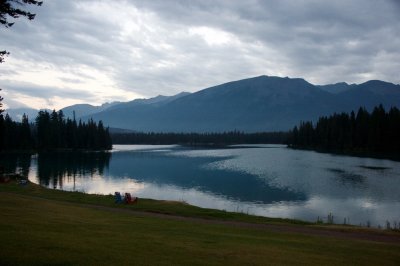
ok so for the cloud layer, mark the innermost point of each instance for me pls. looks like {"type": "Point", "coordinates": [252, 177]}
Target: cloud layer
{"type": "Point", "coordinates": [96, 51]}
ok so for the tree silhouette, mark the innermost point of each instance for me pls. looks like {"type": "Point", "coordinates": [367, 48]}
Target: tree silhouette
{"type": "Point", "coordinates": [376, 132]}
{"type": "Point", "coordinates": [12, 8]}
{"type": "Point", "coordinates": [1, 105]}
{"type": "Point", "coordinates": [196, 139]}
{"type": "Point", "coordinates": [54, 132]}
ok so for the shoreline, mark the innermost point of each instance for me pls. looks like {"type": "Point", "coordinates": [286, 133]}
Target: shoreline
{"type": "Point", "coordinates": [181, 208]}
{"type": "Point", "coordinates": [361, 154]}
{"type": "Point", "coordinates": [42, 226]}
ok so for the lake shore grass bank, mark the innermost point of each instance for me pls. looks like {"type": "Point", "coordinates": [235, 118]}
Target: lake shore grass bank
{"type": "Point", "coordinates": [43, 226]}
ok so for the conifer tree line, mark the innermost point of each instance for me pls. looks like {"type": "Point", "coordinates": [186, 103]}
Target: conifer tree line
{"type": "Point", "coordinates": [52, 131]}
{"type": "Point", "coordinates": [377, 132]}
{"type": "Point", "coordinates": [224, 138]}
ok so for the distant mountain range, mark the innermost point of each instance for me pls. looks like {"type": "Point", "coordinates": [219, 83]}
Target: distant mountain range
{"type": "Point", "coordinates": [256, 104]}
{"type": "Point", "coordinates": [17, 113]}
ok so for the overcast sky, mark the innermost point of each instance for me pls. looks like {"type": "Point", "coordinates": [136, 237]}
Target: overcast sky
{"type": "Point", "coordinates": [93, 51]}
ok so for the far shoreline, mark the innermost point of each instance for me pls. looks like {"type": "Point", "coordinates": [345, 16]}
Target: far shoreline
{"type": "Point", "coordinates": [360, 154]}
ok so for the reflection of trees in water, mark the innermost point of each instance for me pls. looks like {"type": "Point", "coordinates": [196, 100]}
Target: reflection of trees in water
{"type": "Point", "coordinates": [347, 179]}
{"type": "Point", "coordinates": [15, 163]}
{"type": "Point", "coordinates": [58, 166]}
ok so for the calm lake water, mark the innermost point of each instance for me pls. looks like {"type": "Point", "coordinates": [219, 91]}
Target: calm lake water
{"type": "Point", "coordinates": [267, 180]}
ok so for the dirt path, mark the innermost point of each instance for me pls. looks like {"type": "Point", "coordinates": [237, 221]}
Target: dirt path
{"type": "Point", "coordinates": [374, 235]}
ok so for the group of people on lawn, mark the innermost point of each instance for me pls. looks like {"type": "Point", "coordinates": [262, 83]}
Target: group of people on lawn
{"type": "Point", "coordinates": [127, 199]}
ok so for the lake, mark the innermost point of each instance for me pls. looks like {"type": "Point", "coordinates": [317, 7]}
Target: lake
{"type": "Point", "coordinates": [266, 180]}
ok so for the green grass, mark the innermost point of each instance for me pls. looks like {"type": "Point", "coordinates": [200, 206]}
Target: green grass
{"type": "Point", "coordinates": [47, 227]}
{"type": "Point", "coordinates": [147, 205]}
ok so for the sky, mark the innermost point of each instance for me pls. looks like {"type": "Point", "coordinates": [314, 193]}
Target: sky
{"type": "Point", "coordinates": [95, 51]}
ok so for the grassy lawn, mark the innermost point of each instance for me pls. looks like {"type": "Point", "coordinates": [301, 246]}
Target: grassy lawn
{"type": "Point", "coordinates": [41, 226]}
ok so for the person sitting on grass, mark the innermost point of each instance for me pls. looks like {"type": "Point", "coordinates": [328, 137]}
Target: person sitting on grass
{"type": "Point", "coordinates": [118, 197]}
{"type": "Point", "coordinates": [129, 199]}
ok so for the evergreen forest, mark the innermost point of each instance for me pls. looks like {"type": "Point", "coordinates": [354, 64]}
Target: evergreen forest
{"type": "Point", "coordinates": [193, 139]}
{"type": "Point", "coordinates": [51, 131]}
{"type": "Point", "coordinates": [376, 132]}
{"type": "Point", "coordinates": [362, 132]}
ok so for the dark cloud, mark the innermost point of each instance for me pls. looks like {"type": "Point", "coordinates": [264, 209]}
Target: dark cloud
{"type": "Point", "coordinates": [155, 47]}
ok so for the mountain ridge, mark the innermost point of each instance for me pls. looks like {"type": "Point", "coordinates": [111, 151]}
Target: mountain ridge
{"type": "Point", "coordinates": [263, 103]}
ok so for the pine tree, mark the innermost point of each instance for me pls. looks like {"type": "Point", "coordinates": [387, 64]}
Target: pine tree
{"type": "Point", "coordinates": [364, 132]}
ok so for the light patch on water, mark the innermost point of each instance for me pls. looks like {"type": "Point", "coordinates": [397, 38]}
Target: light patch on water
{"type": "Point", "coordinates": [119, 148]}
{"type": "Point", "coordinates": [268, 181]}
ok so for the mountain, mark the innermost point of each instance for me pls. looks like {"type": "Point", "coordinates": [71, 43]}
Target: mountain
{"type": "Point", "coordinates": [155, 101]}
{"type": "Point", "coordinates": [17, 113]}
{"type": "Point", "coordinates": [336, 88]}
{"type": "Point", "coordinates": [80, 110]}
{"type": "Point", "coordinates": [256, 104]}
{"type": "Point", "coordinates": [372, 93]}
{"type": "Point", "coordinates": [85, 109]}
{"type": "Point", "coordinates": [250, 105]}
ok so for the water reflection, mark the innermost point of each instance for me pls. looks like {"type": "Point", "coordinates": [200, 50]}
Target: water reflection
{"type": "Point", "coordinates": [56, 168]}
{"type": "Point", "coordinates": [348, 178]}
{"type": "Point", "coordinates": [275, 182]}
{"type": "Point", "coordinates": [164, 168]}
{"type": "Point", "coordinates": [15, 163]}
